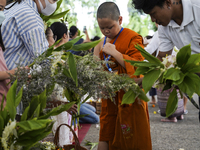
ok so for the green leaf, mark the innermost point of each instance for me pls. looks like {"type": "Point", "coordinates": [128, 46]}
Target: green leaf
{"type": "Point", "coordinates": [142, 64]}
{"type": "Point", "coordinates": [85, 46]}
{"type": "Point", "coordinates": [88, 143]}
{"type": "Point", "coordinates": [172, 103]}
{"type": "Point", "coordinates": [46, 18]}
{"type": "Point", "coordinates": [148, 56]}
{"type": "Point", "coordinates": [182, 76]}
{"type": "Point", "coordinates": [81, 116]}
{"type": "Point", "coordinates": [196, 81]}
{"type": "Point", "coordinates": [2, 102]}
{"type": "Point", "coordinates": [192, 64]}
{"type": "Point", "coordinates": [58, 4]}
{"type": "Point", "coordinates": [141, 70]}
{"type": "Point", "coordinates": [1, 125]}
{"type": "Point", "coordinates": [66, 72]}
{"type": "Point", "coordinates": [68, 94]}
{"type": "Point", "coordinates": [6, 117]}
{"type": "Point", "coordinates": [149, 79]}
{"type": "Point", "coordinates": [33, 106]}
{"type": "Point", "coordinates": [72, 68]}
{"type": "Point", "coordinates": [65, 46]}
{"type": "Point", "coordinates": [68, 45]}
{"type": "Point", "coordinates": [19, 97]}
{"type": "Point", "coordinates": [59, 15]}
{"type": "Point", "coordinates": [183, 55]}
{"type": "Point", "coordinates": [168, 85]}
{"type": "Point", "coordinates": [57, 110]}
{"type": "Point", "coordinates": [188, 85]}
{"type": "Point", "coordinates": [12, 111]}
{"type": "Point", "coordinates": [129, 97]}
{"type": "Point", "coordinates": [172, 74]}
{"type": "Point", "coordinates": [36, 113]}
{"type": "Point", "coordinates": [42, 100]}
{"type": "Point", "coordinates": [10, 100]}
{"type": "Point", "coordinates": [143, 96]}
{"type": "Point", "coordinates": [32, 137]}
{"type": "Point", "coordinates": [25, 114]}
{"type": "Point", "coordinates": [31, 125]}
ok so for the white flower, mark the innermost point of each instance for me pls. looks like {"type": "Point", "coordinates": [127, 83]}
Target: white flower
{"type": "Point", "coordinates": [169, 61]}
{"type": "Point", "coordinates": [9, 129]}
{"type": "Point", "coordinates": [57, 58]}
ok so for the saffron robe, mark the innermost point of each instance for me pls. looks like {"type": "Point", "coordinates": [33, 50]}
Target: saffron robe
{"type": "Point", "coordinates": [125, 127]}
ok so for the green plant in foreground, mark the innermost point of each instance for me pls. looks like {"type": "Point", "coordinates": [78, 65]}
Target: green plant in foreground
{"type": "Point", "coordinates": [34, 124]}
{"type": "Point", "coordinates": [181, 75]}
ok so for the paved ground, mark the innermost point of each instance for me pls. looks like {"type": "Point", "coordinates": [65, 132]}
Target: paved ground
{"type": "Point", "coordinates": [184, 134]}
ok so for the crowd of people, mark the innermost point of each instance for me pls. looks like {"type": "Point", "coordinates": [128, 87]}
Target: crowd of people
{"type": "Point", "coordinates": [23, 38]}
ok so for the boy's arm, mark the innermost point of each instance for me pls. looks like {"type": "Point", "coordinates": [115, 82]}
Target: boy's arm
{"type": "Point", "coordinates": [97, 49]}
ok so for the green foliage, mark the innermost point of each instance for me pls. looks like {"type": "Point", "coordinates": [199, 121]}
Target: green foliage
{"type": "Point", "coordinates": [34, 124]}
{"type": "Point", "coordinates": [172, 103]}
{"type": "Point", "coordinates": [181, 76]}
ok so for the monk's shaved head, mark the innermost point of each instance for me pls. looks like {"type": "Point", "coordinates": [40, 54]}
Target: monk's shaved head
{"type": "Point", "coordinates": [108, 10]}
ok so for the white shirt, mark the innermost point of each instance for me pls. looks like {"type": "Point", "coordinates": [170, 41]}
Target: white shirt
{"type": "Point", "coordinates": [188, 33]}
{"type": "Point", "coordinates": [153, 45]}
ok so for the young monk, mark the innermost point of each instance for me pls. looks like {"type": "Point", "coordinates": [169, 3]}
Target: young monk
{"type": "Point", "coordinates": [122, 127]}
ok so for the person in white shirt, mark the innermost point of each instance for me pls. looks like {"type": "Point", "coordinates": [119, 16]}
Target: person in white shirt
{"type": "Point", "coordinates": [179, 23]}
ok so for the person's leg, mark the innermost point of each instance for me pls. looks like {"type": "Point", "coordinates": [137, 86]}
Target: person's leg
{"type": "Point", "coordinates": [152, 93]}
{"type": "Point", "coordinates": [103, 145]}
{"type": "Point", "coordinates": [90, 107]}
{"type": "Point", "coordinates": [92, 116]}
{"type": "Point", "coordinates": [185, 99]}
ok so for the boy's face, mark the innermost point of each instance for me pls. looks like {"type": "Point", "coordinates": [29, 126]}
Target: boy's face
{"type": "Point", "coordinates": [110, 28]}
{"type": "Point", "coordinates": [161, 16]}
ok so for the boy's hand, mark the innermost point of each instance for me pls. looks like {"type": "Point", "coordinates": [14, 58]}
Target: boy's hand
{"type": "Point", "coordinates": [109, 49]}
{"type": "Point", "coordinates": [139, 81]}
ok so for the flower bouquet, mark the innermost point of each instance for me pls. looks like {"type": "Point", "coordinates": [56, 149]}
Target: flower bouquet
{"type": "Point", "coordinates": [173, 73]}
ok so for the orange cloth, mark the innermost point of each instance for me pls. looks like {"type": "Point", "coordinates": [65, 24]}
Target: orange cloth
{"type": "Point", "coordinates": [125, 127]}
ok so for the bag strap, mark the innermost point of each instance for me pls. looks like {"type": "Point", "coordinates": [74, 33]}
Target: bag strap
{"type": "Point", "coordinates": [56, 137]}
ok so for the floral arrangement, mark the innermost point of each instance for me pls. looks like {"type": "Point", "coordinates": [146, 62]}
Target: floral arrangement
{"type": "Point", "coordinates": [175, 72]}
{"type": "Point", "coordinates": [66, 75]}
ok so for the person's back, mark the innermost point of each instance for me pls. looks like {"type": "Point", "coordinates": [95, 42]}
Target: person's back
{"type": "Point", "coordinates": [23, 33]}
{"type": "Point", "coordinates": [117, 131]}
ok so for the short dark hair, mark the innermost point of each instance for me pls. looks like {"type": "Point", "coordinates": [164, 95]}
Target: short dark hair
{"type": "Point", "coordinates": [147, 5]}
{"type": "Point", "coordinates": [95, 38]}
{"type": "Point", "coordinates": [59, 29]}
{"type": "Point", "coordinates": [108, 10]}
{"type": "Point", "coordinates": [72, 31]}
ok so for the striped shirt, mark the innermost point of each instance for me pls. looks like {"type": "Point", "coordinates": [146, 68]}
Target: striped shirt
{"type": "Point", "coordinates": [23, 34]}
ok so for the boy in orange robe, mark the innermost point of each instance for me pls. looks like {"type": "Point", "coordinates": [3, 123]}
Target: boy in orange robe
{"type": "Point", "coordinates": [122, 127]}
